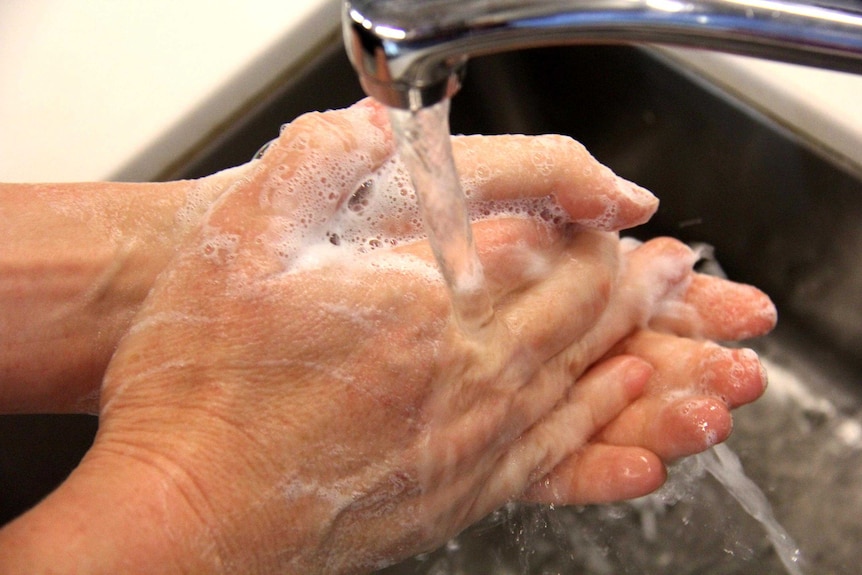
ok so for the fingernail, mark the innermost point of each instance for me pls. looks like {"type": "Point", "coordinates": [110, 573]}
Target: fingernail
{"type": "Point", "coordinates": [710, 423]}
{"type": "Point", "coordinates": [749, 357]}
{"type": "Point", "coordinates": [637, 194]}
{"type": "Point", "coordinates": [637, 374]}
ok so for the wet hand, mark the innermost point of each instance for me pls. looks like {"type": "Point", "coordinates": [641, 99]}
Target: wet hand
{"type": "Point", "coordinates": [400, 430]}
{"type": "Point", "coordinates": [333, 417]}
{"type": "Point", "coordinates": [686, 404]}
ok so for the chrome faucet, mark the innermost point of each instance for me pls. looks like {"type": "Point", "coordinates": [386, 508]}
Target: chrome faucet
{"type": "Point", "coordinates": [411, 54]}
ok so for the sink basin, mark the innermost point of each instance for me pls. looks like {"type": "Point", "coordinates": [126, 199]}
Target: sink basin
{"type": "Point", "coordinates": [779, 215]}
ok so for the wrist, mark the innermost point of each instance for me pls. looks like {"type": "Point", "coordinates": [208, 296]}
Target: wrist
{"type": "Point", "coordinates": [78, 260]}
{"type": "Point", "coordinates": [114, 514]}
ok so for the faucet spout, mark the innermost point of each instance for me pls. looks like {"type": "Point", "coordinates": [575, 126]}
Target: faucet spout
{"type": "Point", "coordinates": [411, 54]}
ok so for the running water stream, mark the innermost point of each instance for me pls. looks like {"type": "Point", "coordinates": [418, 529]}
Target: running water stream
{"type": "Point", "coordinates": [424, 144]}
{"type": "Point", "coordinates": [423, 139]}
{"type": "Point", "coordinates": [724, 466]}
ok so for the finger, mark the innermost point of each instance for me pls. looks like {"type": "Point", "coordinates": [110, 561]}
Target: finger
{"type": "Point", "coordinates": [495, 168]}
{"type": "Point", "coordinates": [594, 400]}
{"type": "Point", "coordinates": [649, 274]}
{"type": "Point", "coordinates": [655, 271]}
{"type": "Point", "coordinates": [652, 273]}
{"type": "Point", "coordinates": [501, 182]}
{"type": "Point", "coordinates": [686, 407]}
{"type": "Point", "coordinates": [549, 285]}
{"type": "Point", "coordinates": [678, 428]}
{"type": "Point", "coordinates": [600, 473]}
{"type": "Point", "coordinates": [549, 288]}
{"type": "Point", "coordinates": [734, 375]}
{"type": "Point", "coordinates": [715, 308]}
{"type": "Point", "coordinates": [515, 253]}
{"type": "Point", "coordinates": [560, 308]}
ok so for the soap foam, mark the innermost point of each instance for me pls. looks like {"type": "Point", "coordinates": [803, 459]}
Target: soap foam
{"type": "Point", "coordinates": [382, 213]}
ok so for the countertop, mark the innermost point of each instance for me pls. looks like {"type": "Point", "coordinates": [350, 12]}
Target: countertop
{"type": "Point", "coordinates": [118, 89]}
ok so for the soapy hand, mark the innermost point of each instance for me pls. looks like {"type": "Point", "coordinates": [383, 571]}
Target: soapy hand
{"type": "Point", "coordinates": [77, 261]}
{"type": "Point", "coordinates": [400, 430]}
{"type": "Point", "coordinates": [333, 418]}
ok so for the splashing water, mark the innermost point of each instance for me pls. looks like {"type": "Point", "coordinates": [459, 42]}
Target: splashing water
{"type": "Point", "coordinates": [724, 466]}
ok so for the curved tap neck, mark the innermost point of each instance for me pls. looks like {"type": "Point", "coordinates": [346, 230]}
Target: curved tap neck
{"type": "Point", "coordinates": [411, 53]}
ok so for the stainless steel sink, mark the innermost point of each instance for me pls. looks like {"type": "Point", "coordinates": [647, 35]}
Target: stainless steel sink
{"type": "Point", "coordinates": [779, 214]}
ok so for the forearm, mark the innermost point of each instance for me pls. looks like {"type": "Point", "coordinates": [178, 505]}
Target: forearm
{"type": "Point", "coordinates": [77, 261]}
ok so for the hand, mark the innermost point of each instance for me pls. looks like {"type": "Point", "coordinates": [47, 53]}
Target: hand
{"type": "Point", "coordinates": [686, 405]}
{"type": "Point", "coordinates": [295, 338]}
{"type": "Point", "coordinates": [79, 259]}
{"type": "Point", "coordinates": [404, 461]}
{"type": "Point", "coordinates": [233, 439]}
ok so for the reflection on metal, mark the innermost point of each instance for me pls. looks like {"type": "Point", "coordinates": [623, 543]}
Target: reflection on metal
{"type": "Point", "coordinates": [411, 53]}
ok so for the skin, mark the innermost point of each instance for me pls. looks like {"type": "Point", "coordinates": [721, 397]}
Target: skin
{"type": "Point", "coordinates": [77, 262]}
{"type": "Point", "coordinates": [320, 420]}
